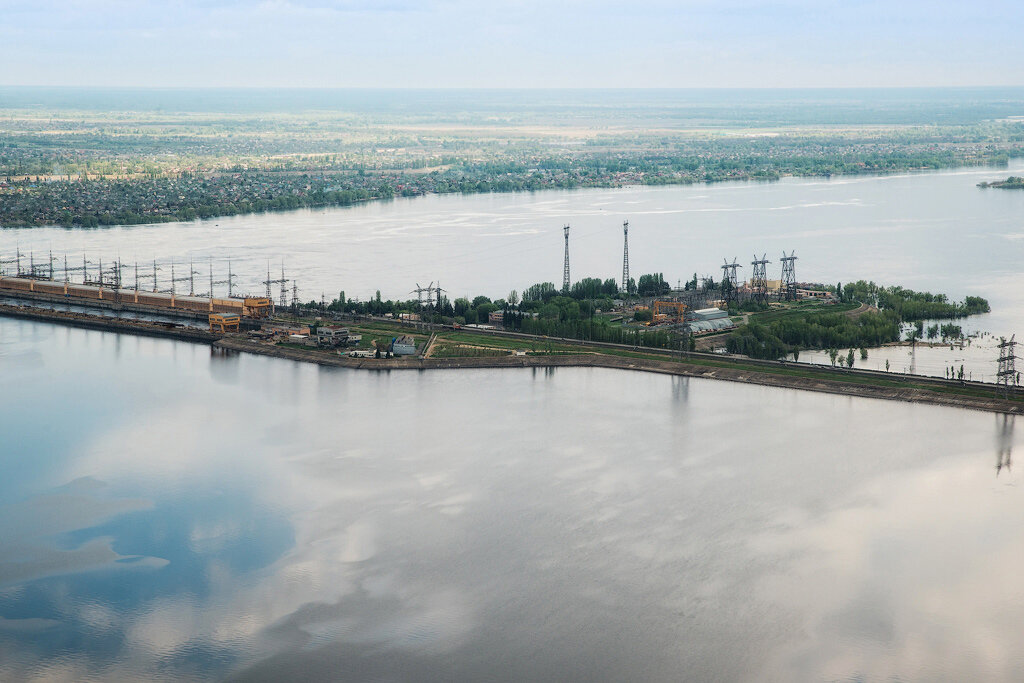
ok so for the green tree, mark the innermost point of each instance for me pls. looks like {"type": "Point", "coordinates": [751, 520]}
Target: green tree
{"type": "Point", "coordinates": [643, 315]}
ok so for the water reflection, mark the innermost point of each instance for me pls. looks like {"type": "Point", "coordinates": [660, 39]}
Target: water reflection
{"type": "Point", "coordinates": [224, 365]}
{"type": "Point", "coordinates": [680, 388]}
{"type": "Point", "coordinates": [1004, 442]}
{"type": "Point", "coordinates": [302, 522]}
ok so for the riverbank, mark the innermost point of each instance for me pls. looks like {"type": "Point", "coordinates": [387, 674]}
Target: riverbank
{"type": "Point", "coordinates": [860, 383]}
{"type": "Point", "coordinates": [109, 324]}
{"type": "Point", "coordinates": [864, 384]}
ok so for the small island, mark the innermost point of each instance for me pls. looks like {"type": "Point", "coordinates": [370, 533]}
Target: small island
{"type": "Point", "coordinates": [1011, 183]}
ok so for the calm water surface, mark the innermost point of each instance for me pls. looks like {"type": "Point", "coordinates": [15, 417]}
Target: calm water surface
{"type": "Point", "coordinates": [168, 512]}
{"type": "Point", "coordinates": [934, 231]}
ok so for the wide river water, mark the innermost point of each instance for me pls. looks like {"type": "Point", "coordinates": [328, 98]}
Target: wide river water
{"type": "Point", "coordinates": [934, 231]}
{"type": "Point", "coordinates": [170, 512]}
{"type": "Point", "coordinates": [167, 512]}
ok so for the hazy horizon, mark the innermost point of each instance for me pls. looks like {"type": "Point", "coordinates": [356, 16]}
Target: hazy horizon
{"type": "Point", "coordinates": [525, 44]}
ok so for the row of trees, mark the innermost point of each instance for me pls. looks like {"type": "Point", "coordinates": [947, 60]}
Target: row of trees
{"type": "Point", "coordinates": [542, 309]}
{"type": "Point", "coordinates": [897, 305]}
{"type": "Point", "coordinates": [909, 305]}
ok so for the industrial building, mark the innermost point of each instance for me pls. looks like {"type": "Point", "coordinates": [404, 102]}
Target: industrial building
{"type": "Point", "coordinates": [330, 336]}
{"type": "Point", "coordinates": [225, 322]}
{"type": "Point", "coordinates": [403, 346]}
{"type": "Point", "coordinates": [710, 320]}
{"type": "Point", "coordinates": [250, 307]}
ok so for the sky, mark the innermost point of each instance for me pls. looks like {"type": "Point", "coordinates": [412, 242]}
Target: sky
{"type": "Point", "coordinates": [513, 44]}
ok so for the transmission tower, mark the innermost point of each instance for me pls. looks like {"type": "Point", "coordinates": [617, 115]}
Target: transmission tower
{"type": "Point", "coordinates": [39, 271]}
{"type": "Point", "coordinates": [70, 269]}
{"type": "Point", "coordinates": [284, 287]}
{"type": "Point", "coordinates": [175, 280]}
{"type": "Point", "coordinates": [625, 257]}
{"type": "Point", "coordinates": [759, 278]}
{"type": "Point", "coordinates": [192, 272]}
{"type": "Point", "coordinates": [283, 281]}
{"type": "Point", "coordinates": [155, 286]}
{"type": "Point", "coordinates": [730, 281]}
{"type": "Point", "coordinates": [1006, 377]}
{"type": "Point", "coordinates": [227, 282]}
{"type": "Point", "coordinates": [439, 290]}
{"type": "Point", "coordinates": [787, 288]}
{"type": "Point", "coordinates": [424, 294]}
{"type": "Point", "coordinates": [3, 271]}
{"type": "Point", "coordinates": [565, 270]}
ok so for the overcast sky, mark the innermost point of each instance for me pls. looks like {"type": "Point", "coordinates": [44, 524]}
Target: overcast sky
{"type": "Point", "coordinates": [522, 43]}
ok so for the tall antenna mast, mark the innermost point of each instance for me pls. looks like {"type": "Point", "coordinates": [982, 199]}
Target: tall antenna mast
{"type": "Point", "coordinates": [625, 257]}
{"type": "Point", "coordinates": [565, 270]}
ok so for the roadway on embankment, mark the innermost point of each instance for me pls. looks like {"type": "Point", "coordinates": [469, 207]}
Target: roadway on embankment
{"type": "Point", "coordinates": [851, 383]}
{"type": "Point", "coordinates": [861, 383]}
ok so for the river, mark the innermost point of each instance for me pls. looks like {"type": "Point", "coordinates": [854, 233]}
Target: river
{"type": "Point", "coordinates": [934, 231]}
{"type": "Point", "coordinates": [169, 512]}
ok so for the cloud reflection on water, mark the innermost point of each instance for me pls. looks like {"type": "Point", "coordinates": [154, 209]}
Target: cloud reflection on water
{"type": "Point", "coordinates": [588, 524]}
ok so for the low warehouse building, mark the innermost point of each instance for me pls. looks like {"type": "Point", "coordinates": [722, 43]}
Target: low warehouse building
{"type": "Point", "coordinates": [403, 346]}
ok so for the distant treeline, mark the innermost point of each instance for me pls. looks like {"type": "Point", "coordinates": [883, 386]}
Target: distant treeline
{"type": "Point", "coordinates": [154, 196]}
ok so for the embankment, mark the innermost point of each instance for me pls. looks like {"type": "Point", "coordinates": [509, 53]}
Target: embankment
{"type": "Point", "coordinates": [787, 377]}
{"type": "Point", "coordinates": [109, 324]}
{"type": "Point", "coordinates": [866, 384]}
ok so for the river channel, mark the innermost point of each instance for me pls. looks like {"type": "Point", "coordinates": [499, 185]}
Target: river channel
{"type": "Point", "coordinates": [168, 512]}
{"type": "Point", "coordinates": [934, 231]}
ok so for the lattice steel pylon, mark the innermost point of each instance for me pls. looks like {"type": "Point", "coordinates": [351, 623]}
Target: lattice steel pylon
{"type": "Point", "coordinates": [759, 278]}
{"type": "Point", "coordinates": [1006, 376]}
{"type": "Point", "coordinates": [565, 271]}
{"type": "Point", "coordinates": [283, 281]}
{"type": "Point", "coordinates": [625, 257]}
{"type": "Point", "coordinates": [787, 286]}
{"type": "Point", "coordinates": [730, 281]}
